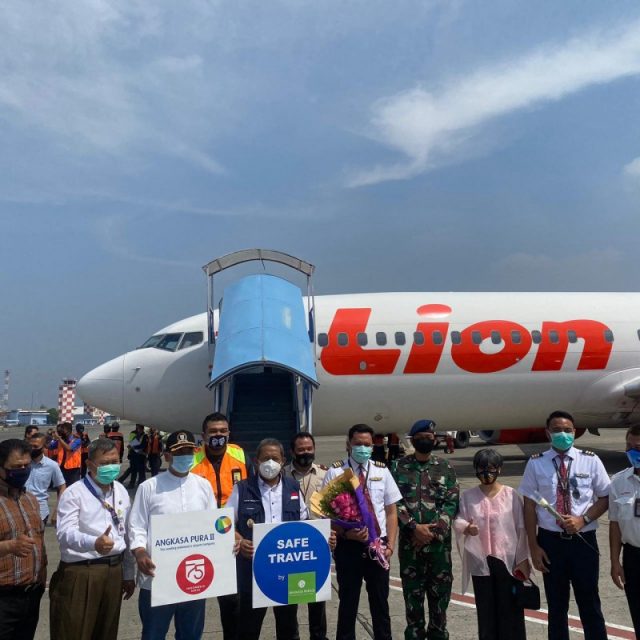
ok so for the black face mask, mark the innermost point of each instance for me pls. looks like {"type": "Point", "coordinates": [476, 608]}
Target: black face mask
{"type": "Point", "coordinates": [17, 478]}
{"type": "Point", "coordinates": [217, 442]}
{"type": "Point", "coordinates": [304, 459]}
{"type": "Point", "coordinates": [36, 453]}
{"type": "Point", "coordinates": [487, 477]}
{"type": "Point", "coordinates": [423, 446]}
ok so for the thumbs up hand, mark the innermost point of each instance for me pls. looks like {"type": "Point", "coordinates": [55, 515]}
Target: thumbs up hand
{"type": "Point", "coordinates": [104, 544]}
{"type": "Point", "coordinates": [472, 529]}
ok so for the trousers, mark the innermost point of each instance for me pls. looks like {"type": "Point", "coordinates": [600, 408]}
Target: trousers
{"type": "Point", "coordinates": [574, 562]}
{"type": "Point", "coordinates": [188, 618]}
{"type": "Point", "coordinates": [631, 566]}
{"type": "Point", "coordinates": [251, 620]}
{"type": "Point", "coordinates": [425, 573]}
{"type": "Point", "coordinates": [499, 617]}
{"type": "Point", "coordinates": [19, 614]}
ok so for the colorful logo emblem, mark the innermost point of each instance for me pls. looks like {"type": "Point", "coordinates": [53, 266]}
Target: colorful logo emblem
{"type": "Point", "coordinates": [195, 574]}
{"type": "Point", "coordinates": [223, 524]}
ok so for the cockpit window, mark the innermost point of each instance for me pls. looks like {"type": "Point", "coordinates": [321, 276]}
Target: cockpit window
{"type": "Point", "coordinates": [191, 339]}
{"type": "Point", "coordinates": [152, 341]}
{"type": "Point", "coordinates": [169, 341]}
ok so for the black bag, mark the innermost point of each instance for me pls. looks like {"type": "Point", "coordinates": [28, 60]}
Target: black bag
{"type": "Point", "coordinates": [526, 594]}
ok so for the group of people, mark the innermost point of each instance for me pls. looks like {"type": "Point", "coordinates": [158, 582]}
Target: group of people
{"type": "Point", "coordinates": [548, 523]}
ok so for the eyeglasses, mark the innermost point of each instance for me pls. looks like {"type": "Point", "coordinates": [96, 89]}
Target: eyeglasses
{"type": "Point", "coordinates": [574, 486]}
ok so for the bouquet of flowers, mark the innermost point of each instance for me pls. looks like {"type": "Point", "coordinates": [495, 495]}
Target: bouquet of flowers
{"type": "Point", "coordinates": [343, 501]}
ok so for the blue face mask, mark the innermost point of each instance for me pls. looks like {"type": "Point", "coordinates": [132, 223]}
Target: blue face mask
{"type": "Point", "coordinates": [562, 441]}
{"type": "Point", "coordinates": [182, 464]}
{"type": "Point", "coordinates": [361, 453]}
{"type": "Point", "coordinates": [634, 458]}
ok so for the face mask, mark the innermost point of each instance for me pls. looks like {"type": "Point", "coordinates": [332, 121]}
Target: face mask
{"type": "Point", "coordinates": [562, 441]}
{"type": "Point", "coordinates": [423, 446]}
{"type": "Point", "coordinates": [487, 477]}
{"type": "Point", "coordinates": [269, 469]}
{"type": "Point", "coordinates": [361, 453]}
{"type": "Point", "coordinates": [182, 464]}
{"type": "Point", "coordinates": [36, 453]}
{"type": "Point", "coordinates": [217, 442]}
{"type": "Point", "coordinates": [305, 459]}
{"type": "Point", "coordinates": [107, 473]}
{"type": "Point", "coordinates": [17, 478]}
{"type": "Point", "coordinates": [634, 458]}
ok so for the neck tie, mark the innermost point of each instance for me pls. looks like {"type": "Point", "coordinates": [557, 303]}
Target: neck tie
{"type": "Point", "coordinates": [362, 478]}
{"type": "Point", "coordinates": [563, 506]}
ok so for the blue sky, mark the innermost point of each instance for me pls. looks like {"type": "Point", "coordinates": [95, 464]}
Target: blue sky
{"type": "Point", "coordinates": [405, 145]}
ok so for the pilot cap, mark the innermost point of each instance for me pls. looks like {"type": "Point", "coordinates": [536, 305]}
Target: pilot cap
{"type": "Point", "coordinates": [422, 426]}
{"type": "Point", "coordinates": [180, 438]}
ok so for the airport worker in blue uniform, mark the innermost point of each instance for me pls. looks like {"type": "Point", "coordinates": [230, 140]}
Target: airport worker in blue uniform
{"type": "Point", "coordinates": [624, 526]}
{"type": "Point", "coordinates": [565, 550]}
{"type": "Point", "coordinates": [353, 562]}
{"type": "Point", "coordinates": [269, 497]}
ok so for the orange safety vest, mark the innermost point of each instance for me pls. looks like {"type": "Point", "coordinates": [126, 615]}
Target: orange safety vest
{"type": "Point", "coordinates": [233, 468]}
{"type": "Point", "coordinates": [71, 459]}
{"type": "Point", "coordinates": [154, 445]}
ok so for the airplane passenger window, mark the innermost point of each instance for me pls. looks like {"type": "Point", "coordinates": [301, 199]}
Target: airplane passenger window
{"type": "Point", "coordinates": [495, 337]}
{"type": "Point", "coordinates": [456, 338]}
{"type": "Point", "coordinates": [536, 337]}
{"type": "Point", "coordinates": [343, 339]}
{"type": "Point", "coordinates": [191, 339]}
{"type": "Point", "coordinates": [437, 337]}
{"type": "Point", "coordinates": [476, 338]}
{"type": "Point", "coordinates": [381, 338]}
{"type": "Point", "coordinates": [608, 335]}
{"type": "Point", "coordinates": [362, 339]}
{"type": "Point", "coordinates": [516, 338]}
{"type": "Point", "coordinates": [572, 335]}
{"type": "Point", "coordinates": [400, 338]}
{"type": "Point", "coordinates": [418, 338]}
{"type": "Point", "coordinates": [152, 341]}
{"type": "Point", "coordinates": [554, 337]}
{"type": "Point", "coordinates": [323, 339]}
{"type": "Point", "coordinates": [169, 342]}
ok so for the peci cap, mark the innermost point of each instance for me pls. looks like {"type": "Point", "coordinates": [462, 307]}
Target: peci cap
{"type": "Point", "coordinates": [179, 439]}
{"type": "Point", "coordinates": [422, 425]}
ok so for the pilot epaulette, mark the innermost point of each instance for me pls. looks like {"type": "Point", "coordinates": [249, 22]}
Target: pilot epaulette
{"type": "Point", "coordinates": [586, 452]}
{"type": "Point", "coordinates": [535, 455]}
{"type": "Point", "coordinates": [377, 463]}
{"type": "Point", "coordinates": [338, 464]}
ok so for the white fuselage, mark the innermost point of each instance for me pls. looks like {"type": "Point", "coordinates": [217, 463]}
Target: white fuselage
{"type": "Point", "coordinates": [466, 360]}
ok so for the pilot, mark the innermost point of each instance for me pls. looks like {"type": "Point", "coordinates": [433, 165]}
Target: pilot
{"type": "Point", "coordinates": [624, 527]}
{"type": "Point", "coordinates": [565, 550]}
{"type": "Point", "coordinates": [353, 563]}
{"type": "Point", "coordinates": [223, 464]}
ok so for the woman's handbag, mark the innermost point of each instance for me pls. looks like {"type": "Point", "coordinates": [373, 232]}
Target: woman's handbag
{"type": "Point", "coordinates": [526, 594]}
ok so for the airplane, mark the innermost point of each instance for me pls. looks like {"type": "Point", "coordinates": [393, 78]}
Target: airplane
{"type": "Point", "coordinates": [277, 361]}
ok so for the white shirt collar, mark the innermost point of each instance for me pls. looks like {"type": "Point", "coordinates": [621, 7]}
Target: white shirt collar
{"type": "Point", "coordinates": [266, 487]}
{"type": "Point", "coordinates": [571, 452]}
{"type": "Point", "coordinates": [355, 465]}
{"type": "Point", "coordinates": [98, 489]}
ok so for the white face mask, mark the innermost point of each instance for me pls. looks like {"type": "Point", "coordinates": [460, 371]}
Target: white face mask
{"type": "Point", "coordinates": [269, 469]}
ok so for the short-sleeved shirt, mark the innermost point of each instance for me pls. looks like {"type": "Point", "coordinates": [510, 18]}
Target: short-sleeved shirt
{"type": "Point", "coordinates": [588, 481]}
{"type": "Point", "coordinates": [44, 474]}
{"type": "Point", "coordinates": [309, 482]}
{"type": "Point", "coordinates": [625, 492]}
{"type": "Point", "coordinates": [380, 483]}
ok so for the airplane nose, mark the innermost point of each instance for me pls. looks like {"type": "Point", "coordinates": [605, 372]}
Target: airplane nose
{"type": "Point", "coordinates": [103, 387]}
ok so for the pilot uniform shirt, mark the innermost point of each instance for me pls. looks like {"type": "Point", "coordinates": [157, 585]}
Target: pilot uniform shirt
{"type": "Point", "coordinates": [624, 502]}
{"type": "Point", "coordinates": [588, 481]}
{"type": "Point", "coordinates": [382, 488]}
{"type": "Point", "coordinates": [82, 518]}
{"type": "Point", "coordinates": [162, 494]}
{"type": "Point", "coordinates": [271, 502]}
{"type": "Point", "coordinates": [309, 482]}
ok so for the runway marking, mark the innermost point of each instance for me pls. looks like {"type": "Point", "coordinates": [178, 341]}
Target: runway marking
{"type": "Point", "coordinates": [614, 631]}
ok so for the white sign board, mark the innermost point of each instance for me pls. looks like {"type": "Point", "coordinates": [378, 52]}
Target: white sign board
{"type": "Point", "coordinates": [193, 554]}
{"type": "Point", "coordinates": [291, 563]}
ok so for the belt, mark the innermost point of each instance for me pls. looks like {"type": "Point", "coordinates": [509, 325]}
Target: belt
{"type": "Point", "coordinates": [563, 535]}
{"type": "Point", "coordinates": [112, 561]}
{"type": "Point", "coordinates": [630, 547]}
{"type": "Point", "coordinates": [12, 590]}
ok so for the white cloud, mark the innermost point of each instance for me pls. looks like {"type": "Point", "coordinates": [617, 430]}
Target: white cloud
{"type": "Point", "coordinates": [633, 168]}
{"type": "Point", "coordinates": [431, 127]}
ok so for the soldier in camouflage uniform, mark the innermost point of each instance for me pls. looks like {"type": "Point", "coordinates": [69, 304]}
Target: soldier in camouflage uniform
{"type": "Point", "coordinates": [430, 494]}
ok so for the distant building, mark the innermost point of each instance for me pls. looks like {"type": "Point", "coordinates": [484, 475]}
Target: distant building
{"type": "Point", "coordinates": [27, 417]}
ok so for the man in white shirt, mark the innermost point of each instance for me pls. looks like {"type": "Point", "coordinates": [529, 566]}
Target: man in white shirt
{"type": "Point", "coordinates": [624, 527]}
{"type": "Point", "coordinates": [96, 567]}
{"type": "Point", "coordinates": [44, 473]}
{"type": "Point", "coordinates": [175, 491]}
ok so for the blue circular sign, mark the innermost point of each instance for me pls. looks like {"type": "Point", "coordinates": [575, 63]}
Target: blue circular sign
{"type": "Point", "coordinates": [290, 549]}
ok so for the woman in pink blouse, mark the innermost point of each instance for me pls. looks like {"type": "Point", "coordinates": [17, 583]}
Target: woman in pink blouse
{"type": "Point", "coordinates": [493, 544]}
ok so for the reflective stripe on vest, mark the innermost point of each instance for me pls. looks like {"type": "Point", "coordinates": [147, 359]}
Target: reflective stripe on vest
{"type": "Point", "coordinates": [233, 468]}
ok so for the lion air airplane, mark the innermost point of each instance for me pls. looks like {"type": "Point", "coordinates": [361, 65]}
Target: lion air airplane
{"type": "Point", "coordinates": [276, 361]}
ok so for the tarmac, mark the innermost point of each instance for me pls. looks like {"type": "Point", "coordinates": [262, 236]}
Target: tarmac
{"type": "Point", "coordinates": [461, 617]}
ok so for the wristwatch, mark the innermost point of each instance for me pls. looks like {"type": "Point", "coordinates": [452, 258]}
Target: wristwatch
{"type": "Point", "coordinates": [587, 519]}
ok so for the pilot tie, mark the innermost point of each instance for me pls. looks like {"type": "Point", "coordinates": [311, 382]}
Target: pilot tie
{"type": "Point", "coordinates": [563, 501]}
{"type": "Point", "coordinates": [362, 478]}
